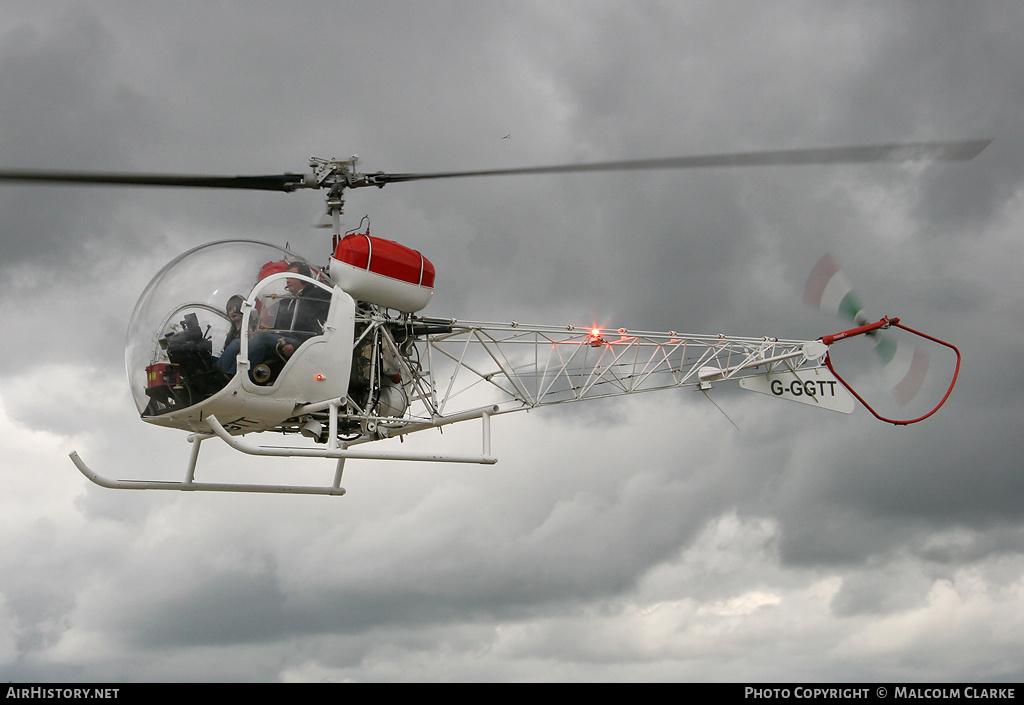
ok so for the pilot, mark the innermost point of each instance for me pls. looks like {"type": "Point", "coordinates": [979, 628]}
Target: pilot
{"type": "Point", "coordinates": [298, 318]}
{"type": "Point", "coordinates": [303, 314]}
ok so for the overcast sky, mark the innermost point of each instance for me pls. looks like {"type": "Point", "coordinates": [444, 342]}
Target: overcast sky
{"type": "Point", "coordinates": [645, 539]}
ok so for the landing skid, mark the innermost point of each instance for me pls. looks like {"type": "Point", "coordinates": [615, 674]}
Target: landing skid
{"type": "Point", "coordinates": [190, 485]}
{"type": "Point", "coordinates": [333, 451]}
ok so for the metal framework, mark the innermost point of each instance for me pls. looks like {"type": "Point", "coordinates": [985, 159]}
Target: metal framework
{"type": "Point", "coordinates": [450, 370]}
{"type": "Point", "coordinates": [530, 366]}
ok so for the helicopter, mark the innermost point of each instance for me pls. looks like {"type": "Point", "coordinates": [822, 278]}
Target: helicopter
{"type": "Point", "coordinates": [236, 338]}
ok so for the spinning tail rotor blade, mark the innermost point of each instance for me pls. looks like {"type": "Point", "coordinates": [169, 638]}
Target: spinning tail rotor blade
{"type": "Point", "coordinates": [830, 291]}
{"type": "Point", "coordinates": [905, 366]}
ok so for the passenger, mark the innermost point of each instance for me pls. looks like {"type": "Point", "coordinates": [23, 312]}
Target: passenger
{"type": "Point", "coordinates": [234, 311]}
{"type": "Point", "coordinates": [232, 341]}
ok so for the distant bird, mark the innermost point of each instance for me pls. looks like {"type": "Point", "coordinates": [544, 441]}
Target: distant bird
{"type": "Point", "coordinates": [507, 136]}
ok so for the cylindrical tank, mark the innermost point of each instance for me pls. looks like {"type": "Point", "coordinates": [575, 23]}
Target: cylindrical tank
{"type": "Point", "coordinates": [382, 272]}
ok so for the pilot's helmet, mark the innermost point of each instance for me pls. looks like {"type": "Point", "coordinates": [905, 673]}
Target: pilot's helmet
{"type": "Point", "coordinates": [234, 305]}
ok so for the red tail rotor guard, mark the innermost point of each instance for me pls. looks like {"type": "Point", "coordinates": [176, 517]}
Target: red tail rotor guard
{"type": "Point", "coordinates": [886, 322]}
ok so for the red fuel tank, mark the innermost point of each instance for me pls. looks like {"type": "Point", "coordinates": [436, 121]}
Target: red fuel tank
{"type": "Point", "coordinates": [382, 272]}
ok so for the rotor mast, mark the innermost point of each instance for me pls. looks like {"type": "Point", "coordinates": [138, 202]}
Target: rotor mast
{"type": "Point", "coordinates": [336, 175]}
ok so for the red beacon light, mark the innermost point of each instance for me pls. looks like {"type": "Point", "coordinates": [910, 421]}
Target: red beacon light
{"type": "Point", "coordinates": [596, 340]}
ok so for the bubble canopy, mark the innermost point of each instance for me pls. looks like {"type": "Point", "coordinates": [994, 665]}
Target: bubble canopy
{"type": "Point", "coordinates": [200, 282]}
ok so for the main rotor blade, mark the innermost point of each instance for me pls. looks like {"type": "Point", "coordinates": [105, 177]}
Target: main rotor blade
{"type": "Point", "coordinates": [913, 151]}
{"type": "Point", "coordinates": [962, 150]}
{"type": "Point", "coordinates": [275, 182]}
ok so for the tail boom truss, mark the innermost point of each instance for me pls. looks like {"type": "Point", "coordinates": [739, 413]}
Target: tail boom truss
{"type": "Point", "coordinates": [529, 366]}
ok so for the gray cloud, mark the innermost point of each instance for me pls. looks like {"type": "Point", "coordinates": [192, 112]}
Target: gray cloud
{"type": "Point", "coordinates": [647, 540]}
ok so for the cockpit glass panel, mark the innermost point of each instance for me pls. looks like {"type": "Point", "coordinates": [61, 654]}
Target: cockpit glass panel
{"type": "Point", "coordinates": [188, 315]}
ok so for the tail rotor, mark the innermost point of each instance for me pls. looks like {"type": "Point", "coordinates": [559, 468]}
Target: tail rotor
{"type": "Point", "coordinates": [905, 366]}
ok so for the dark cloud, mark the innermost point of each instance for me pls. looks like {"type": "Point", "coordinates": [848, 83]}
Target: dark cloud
{"type": "Point", "coordinates": [640, 540]}
{"type": "Point", "coordinates": [65, 108]}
